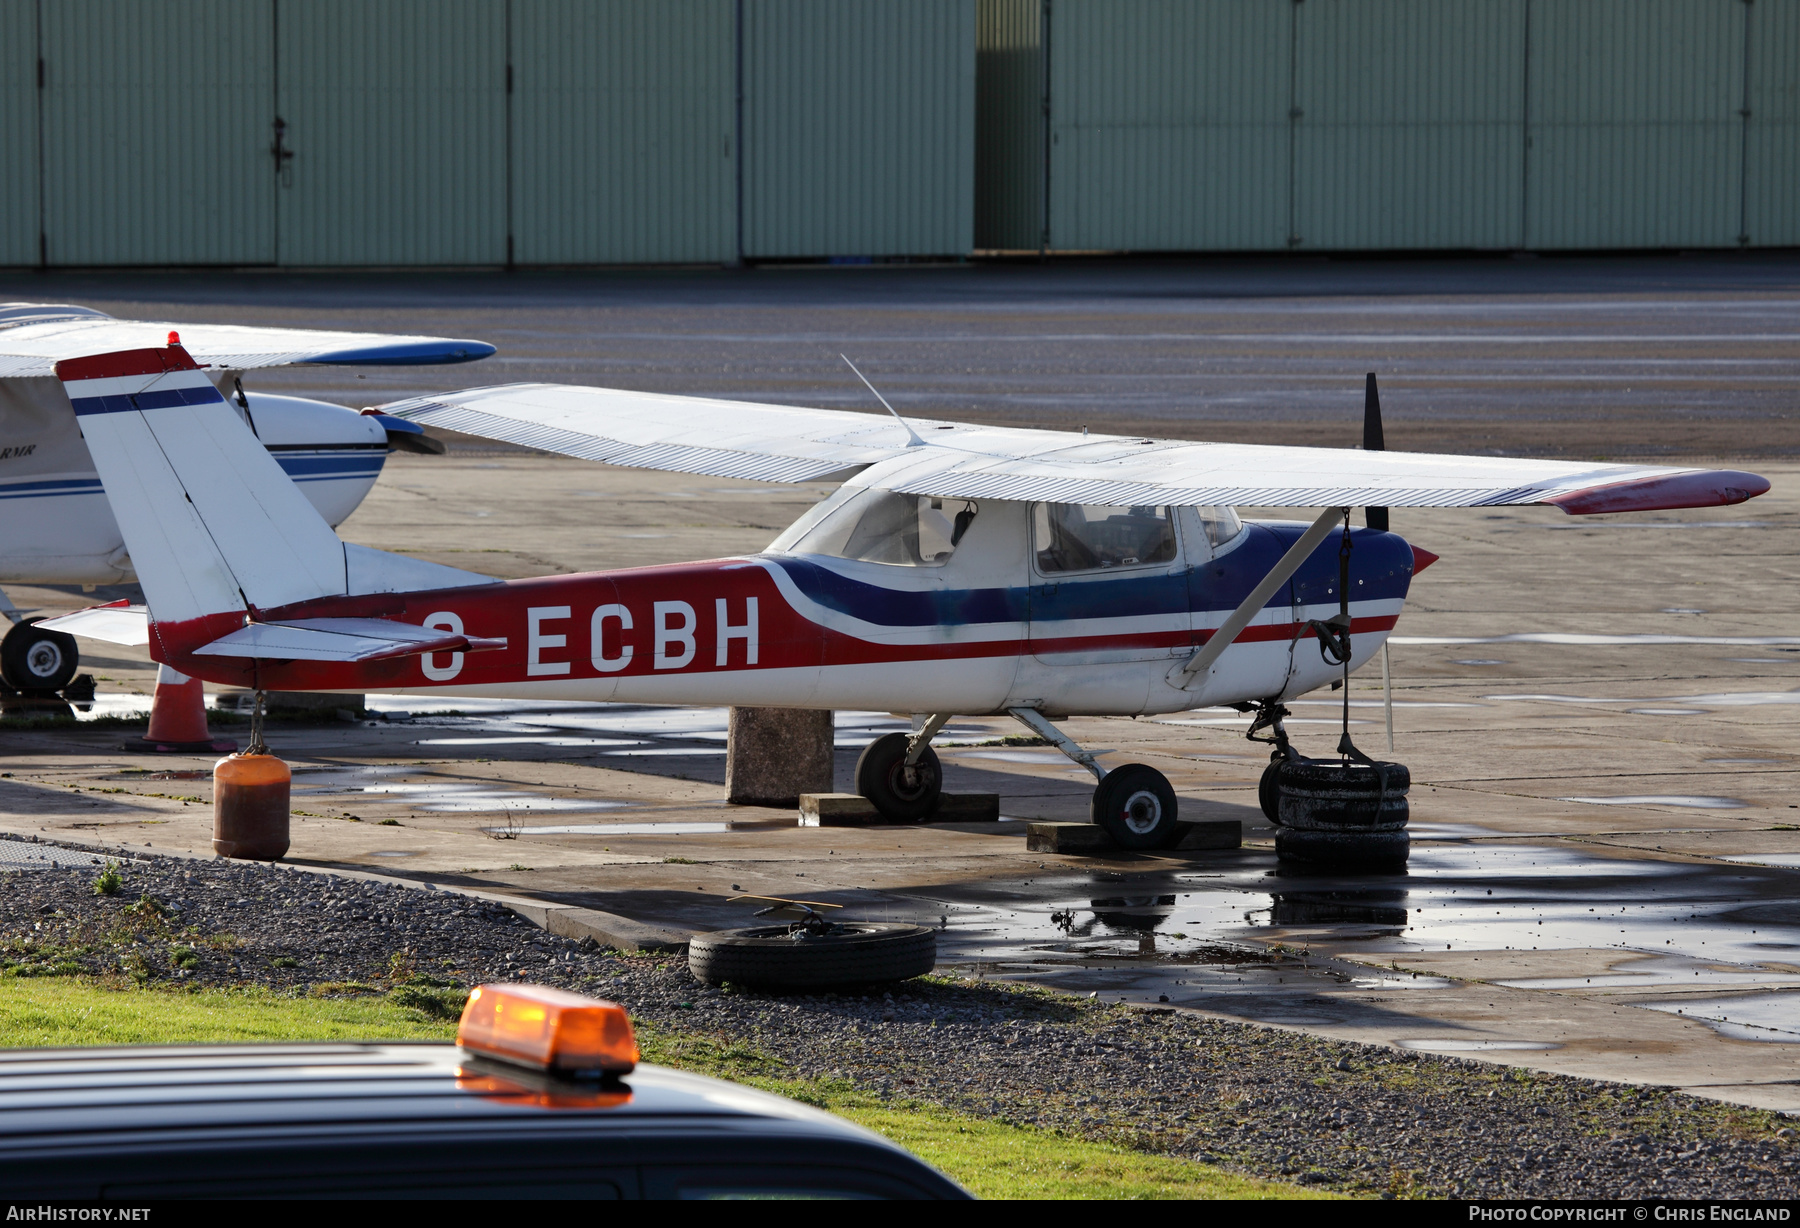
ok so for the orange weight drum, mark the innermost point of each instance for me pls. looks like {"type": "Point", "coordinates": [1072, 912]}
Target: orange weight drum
{"type": "Point", "coordinates": [250, 807]}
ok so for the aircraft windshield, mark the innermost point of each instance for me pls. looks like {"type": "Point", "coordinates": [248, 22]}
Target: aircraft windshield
{"type": "Point", "coordinates": [879, 526]}
{"type": "Point", "coordinates": [1088, 536]}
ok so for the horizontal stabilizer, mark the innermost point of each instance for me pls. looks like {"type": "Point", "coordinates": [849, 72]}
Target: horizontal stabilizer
{"type": "Point", "coordinates": [116, 622]}
{"type": "Point", "coordinates": [341, 639]}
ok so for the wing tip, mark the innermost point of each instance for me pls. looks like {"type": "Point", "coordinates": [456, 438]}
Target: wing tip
{"type": "Point", "coordinates": [1695, 488]}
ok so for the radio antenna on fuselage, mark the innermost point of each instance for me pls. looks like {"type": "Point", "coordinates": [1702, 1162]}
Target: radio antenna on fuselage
{"type": "Point", "coordinates": [912, 436]}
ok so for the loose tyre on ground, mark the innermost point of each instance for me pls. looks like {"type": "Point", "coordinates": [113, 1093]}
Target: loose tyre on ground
{"type": "Point", "coordinates": [1329, 795]}
{"type": "Point", "coordinates": [35, 660]}
{"type": "Point", "coordinates": [1136, 806]}
{"type": "Point", "coordinates": [902, 795]}
{"type": "Point", "coordinates": [851, 953]}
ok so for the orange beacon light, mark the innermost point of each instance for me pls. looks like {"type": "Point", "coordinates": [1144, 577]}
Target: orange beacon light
{"type": "Point", "coordinates": [548, 1029]}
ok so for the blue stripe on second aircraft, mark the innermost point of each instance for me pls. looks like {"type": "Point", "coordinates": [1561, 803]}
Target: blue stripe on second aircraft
{"type": "Point", "coordinates": [315, 467]}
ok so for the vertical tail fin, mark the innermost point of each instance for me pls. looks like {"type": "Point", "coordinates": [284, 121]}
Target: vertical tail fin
{"type": "Point", "coordinates": [212, 523]}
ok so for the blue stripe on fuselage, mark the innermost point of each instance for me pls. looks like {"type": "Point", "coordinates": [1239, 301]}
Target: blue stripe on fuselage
{"type": "Point", "coordinates": [1382, 561]}
{"type": "Point", "coordinates": [315, 466]}
{"type": "Point", "coordinates": [50, 489]}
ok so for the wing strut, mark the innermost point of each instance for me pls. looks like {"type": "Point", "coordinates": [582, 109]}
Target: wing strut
{"type": "Point", "coordinates": [1204, 657]}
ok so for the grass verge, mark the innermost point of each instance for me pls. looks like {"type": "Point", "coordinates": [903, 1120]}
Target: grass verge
{"type": "Point", "coordinates": [995, 1159]}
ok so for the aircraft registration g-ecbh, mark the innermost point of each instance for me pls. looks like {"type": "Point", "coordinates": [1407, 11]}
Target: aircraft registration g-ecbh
{"type": "Point", "coordinates": [58, 526]}
{"type": "Point", "coordinates": [957, 570]}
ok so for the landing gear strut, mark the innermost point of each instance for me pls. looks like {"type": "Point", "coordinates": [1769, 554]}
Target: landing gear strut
{"type": "Point", "coordinates": [1134, 803]}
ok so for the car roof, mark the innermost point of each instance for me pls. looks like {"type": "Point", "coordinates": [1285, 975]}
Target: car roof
{"type": "Point", "coordinates": [67, 1094]}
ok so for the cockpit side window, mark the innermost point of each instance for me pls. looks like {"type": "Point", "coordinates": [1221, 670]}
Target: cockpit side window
{"type": "Point", "coordinates": [879, 526]}
{"type": "Point", "coordinates": [1089, 536]}
{"type": "Point", "coordinates": [1221, 524]}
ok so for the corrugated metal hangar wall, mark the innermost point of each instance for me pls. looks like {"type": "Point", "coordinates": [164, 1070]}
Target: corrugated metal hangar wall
{"type": "Point", "coordinates": [544, 132]}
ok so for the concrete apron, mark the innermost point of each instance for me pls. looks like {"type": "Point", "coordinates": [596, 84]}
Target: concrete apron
{"type": "Point", "coordinates": [1220, 933]}
{"type": "Point", "coordinates": [1560, 760]}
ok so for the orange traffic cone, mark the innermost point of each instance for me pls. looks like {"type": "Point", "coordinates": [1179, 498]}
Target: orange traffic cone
{"type": "Point", "coordinates": [178, 718]}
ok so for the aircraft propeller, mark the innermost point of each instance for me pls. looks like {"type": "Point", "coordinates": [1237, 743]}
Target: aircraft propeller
{"type": "Point", "coordinates": [1375, 517]}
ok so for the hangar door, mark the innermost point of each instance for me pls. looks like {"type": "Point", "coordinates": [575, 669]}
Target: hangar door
{"type": "Point", "coordinates": [155, 132]}
{"type": "Point", "coordinates": [394, 115]}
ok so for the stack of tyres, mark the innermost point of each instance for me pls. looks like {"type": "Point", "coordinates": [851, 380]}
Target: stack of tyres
{"type": "Point", "coordinates": [1343, 815]}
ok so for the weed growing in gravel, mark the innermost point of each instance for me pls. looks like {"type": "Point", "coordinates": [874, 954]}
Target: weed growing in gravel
{"type": "Point", "coordinates": [428, 1002]}
{"type": "Point", "coordinates": [109, 880]}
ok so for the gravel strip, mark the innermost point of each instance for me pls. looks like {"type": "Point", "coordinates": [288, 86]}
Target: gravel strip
{"type": "Point", "coordinates": [1269, 1103]}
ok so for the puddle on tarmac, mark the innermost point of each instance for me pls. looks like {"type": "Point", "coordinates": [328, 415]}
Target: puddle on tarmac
{"type": "Point", "coordinates": [392, 853]}
{"type": "Point", "coordinates": [1725, 699]}
{"type": "Point", "coordinates": [1764, 1016]}
{"type": "Point", "coordinates": [1683, 800]}
{"type": "Point", "coordinates": [634, 729]}
{"type": "Point", "coordinates": [1479, 661]}
{"type": "Point", "coordinates": [1786, 861]}
{"type": "Point", "coordinates": [619, 829]}
{"type": "Point", "coordinates": [1476, 896]}
{"type": "Point", "coordinates": [1429, 1044]}
{"type": "Point", "coordinates": [1570, 639]}
{"type": "Point", "coordinates": [514, 740]}
{"type": "Point", "coordinates": [452, 798]}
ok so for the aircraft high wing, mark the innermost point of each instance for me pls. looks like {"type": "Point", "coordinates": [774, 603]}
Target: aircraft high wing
{"type": "Point", "coordinates": [919, 456]}
{"type": "Point", "coordinates": [58, 526]}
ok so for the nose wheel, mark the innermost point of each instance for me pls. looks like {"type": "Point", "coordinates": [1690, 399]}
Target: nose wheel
{"type": "Point", "coordinates": [1134, 804]}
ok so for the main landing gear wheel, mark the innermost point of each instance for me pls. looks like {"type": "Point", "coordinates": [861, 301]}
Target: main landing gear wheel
{"type": "Point", "coordinates": [36, 661]}
{"type": "Point", "coordinates": [1136, 806]}
{"type": "Point", "coordinates": [902, 794]}
{"type": "Point", "coordinates": [784, 957]}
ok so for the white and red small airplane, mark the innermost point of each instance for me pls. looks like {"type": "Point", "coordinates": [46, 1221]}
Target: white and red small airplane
{"type": "Point", "coordinates": [958, 570]}
{"type": "Point", "coordinates": [58, 526]}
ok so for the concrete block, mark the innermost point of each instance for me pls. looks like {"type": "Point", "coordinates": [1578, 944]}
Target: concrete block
{"type": "Point", "coordinates": [855, 810]}
{"type": "Point", "coordinates": [1067, 838]}
{"type": "Point", "coordinates": [1092, 838]}
{"type": "Point", "coordinates": [967, 808]}
{"type": "Point", "coordinates": [773, 755]}
{"type": "Point", "coordinates": [611, 930]}
{"type": "Point", "coordinates": [838, 810]}
{"type": "Point", "coordinates": [1212, 834]}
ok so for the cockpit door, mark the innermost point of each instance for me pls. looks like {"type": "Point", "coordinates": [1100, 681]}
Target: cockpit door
{"type": "Point", "coordinates": [1108, 585]}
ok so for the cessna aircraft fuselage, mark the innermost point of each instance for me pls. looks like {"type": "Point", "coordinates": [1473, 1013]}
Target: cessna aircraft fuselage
{"type": "Point", "coordinates": [999, 622]}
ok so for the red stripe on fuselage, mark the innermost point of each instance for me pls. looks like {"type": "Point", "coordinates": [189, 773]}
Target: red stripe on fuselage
{"type": "Point", "coordinates": [574, 627]}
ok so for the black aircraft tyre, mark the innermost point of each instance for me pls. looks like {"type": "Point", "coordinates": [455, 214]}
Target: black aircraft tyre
{"type": "Point", "coordinates": [1136, 806]}
{"type": "Point", "coordinates": [1268, 791]}
{"type": "Point", "coordinates": [851, 953]}
{"type": "Point", "coordinates": [33, 659]}
{"type": "Point", "coordinates": [881, 777]}
{"type": "Point", "coordinates": [1329, 795]}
